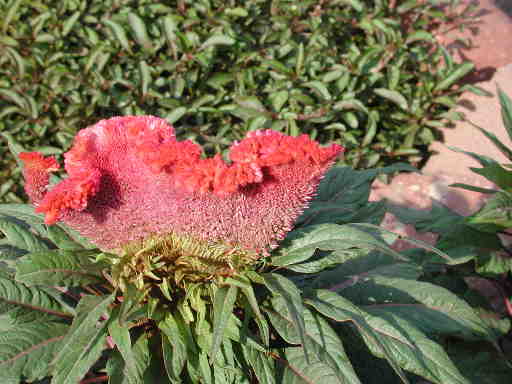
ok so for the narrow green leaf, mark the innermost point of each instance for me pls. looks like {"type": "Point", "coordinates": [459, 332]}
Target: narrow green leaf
{"type": "Point", "coordinates": [419, 36]}
{"type": "Point", "coordinates": [174, 346]}
{"type": "Point", "coordinates": [496, 214]}
{"type": "Point", "coordinates": [394, 96]}
{"type": "Point", "coordinates": [217, 40]}
{"type": "Point", "coordinates": [371, 130]}
{"type": "Point", "coordinates": [246, 287]}
{"type": "Point", "coordinates": [84, 342]}
{"type": "Point", "coordinates": [473, 188]}
{"type": "Point", "coordinates": [278, 100]}
{"type": "Point", "coordinates": [119, 33]}
{"type": "Point", "coordinates": [16, 57]}
{"type": "Point", "coordinates": [62, 239]}
{"type": "Point", "coordinates": [15, 98]}
{"type": "Point", "coordinates": [299, 64]}
{"type": "Point", "coordinates": [121, 336]}
{"type": "Point", "coordinates": [139, 29]}
{"type": "Point", "coordinates": [277, 66]}
{"type": "Point", "coordinates": [506, 111]}
{"type": "Point", "coordinates": [224, 302]}
{"type": "Point", "coordinates": [497, 174]}
{"type": "Point", "coordinates": [175, 115]}
{"type": "Point", "coordinates": [497, 142]}
{"type": "Point", "coordinates": [319, 88]}
{"type": "Point", "coordinates": [281, 286]}
{"type": "Point", "coordinates": [457, 73]}
{"type": "Point", "coordinates": [145, 75]}
{"type": "Point", "coordinates": [12, 10]}
{"type": "Point", "coordinates": [262, 364]}
{"type": "Point", "coordinates": [60, 268]}
{"type": "Point", "coordinates": [67, 26]}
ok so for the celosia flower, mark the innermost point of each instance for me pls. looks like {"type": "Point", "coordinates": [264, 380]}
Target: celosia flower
{"type": "Point", "coordinates": [130, 179]}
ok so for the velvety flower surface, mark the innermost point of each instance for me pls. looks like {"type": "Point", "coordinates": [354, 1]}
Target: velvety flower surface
{"type": "Point", "coordinates": [129, 178]}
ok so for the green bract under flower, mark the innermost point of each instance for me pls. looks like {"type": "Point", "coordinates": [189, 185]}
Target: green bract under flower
{"type": "Point", "coordinates": [173, 261]}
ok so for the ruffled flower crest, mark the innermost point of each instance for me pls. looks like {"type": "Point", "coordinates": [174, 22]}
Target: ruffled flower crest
{"type": "Point", "coordinates": [129, 179]}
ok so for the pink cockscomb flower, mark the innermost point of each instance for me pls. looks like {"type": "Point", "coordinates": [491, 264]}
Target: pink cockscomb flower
{"type": "Point", "coordinates": [130, 179]}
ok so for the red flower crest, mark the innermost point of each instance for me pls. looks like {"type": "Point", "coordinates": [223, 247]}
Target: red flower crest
{"type": "Point", "coordinates": [129, 178]}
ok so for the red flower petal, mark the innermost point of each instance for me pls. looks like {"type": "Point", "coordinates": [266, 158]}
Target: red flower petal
{"type": "Point", "coordinates": [36, 171]}
{"type": "Point", "coordinates": [129, 178]}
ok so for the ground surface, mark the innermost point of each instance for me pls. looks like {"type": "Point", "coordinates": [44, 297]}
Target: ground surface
{"type": "Point", "coordinates": [492, 55]}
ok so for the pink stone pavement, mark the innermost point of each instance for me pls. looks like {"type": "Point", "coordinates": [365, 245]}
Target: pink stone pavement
{"type": "Point", "coordinates": [492, 56]}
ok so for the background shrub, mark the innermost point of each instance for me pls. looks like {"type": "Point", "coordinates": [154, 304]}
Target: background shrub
{"type": "Point", "coordinates": [366, 73]}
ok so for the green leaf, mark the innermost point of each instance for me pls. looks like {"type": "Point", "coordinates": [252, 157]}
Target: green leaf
{"type": "Point", "coordinates": [506, 111]}
{"type": "Point", "coordinates": [174, 347]}
{"type": "Point", "coordinates": [394, 96]}
{"type": "Point", "coordinates": [457, 73]}
{"type": "Point", "coordinates": [371, 129]}
{"type": "Point", "coordinates": [278, 100]}
{"type": "Point", "coordinates": [497, 174]}
{"type": "Point", "coordinates": [10, 14]}
{"type": "Point", "coordinates": [67, 26]}
{"type": "Point", "coordinates": [495, 215]}
{"type": "Point", "coordinates": [419, 36]}
{"type": "Point", "coordinates": [277, 66]}
{"type": "Point", "coordinates": [342, 193]}
{"type": "Point", "coordinates": [218, 40]}
{"type": "Point", "coordinates": [399, 342]}
{"type": "Point", "coordinates": [224, 302]}
{"type": "Point", "coordinates": [300, 60]}
{"type": "Point", "coordinates": [145, 75]}
{"type": "Point", "coordinates": [119, 33]}
{"type": "Point", "coordinates": [141, 34]}
{"type": "Point", "coordinates": [84, 342]}
{"type": "Point", "coordinates": [494, 264]}
{"type": "Point", "coordinates": [356, 4]}
{"type": "Point", "coordinates": [175, 115]}
{"type": "Point", "coordinates": [474, 188]}
{"type": "Point", "coordinates": [116, 365]}
{"type": "Point", "coordinates": [14, 147]}
{"type": "Point", "coordinates": [262, 364]}
{"type": "Point", "coordinates": [492, 137]}
{"type": "Point", "coordinates": [481, 364]}
{"type": "Point", "coordinates": [281, 286]}
{"type": "Point", "coordinates": [441, 306]}
{"type": "Point", "coordinates": [26, 351]}
{"type": "Point", "coordinates": [20, 237]}
{"type": "Point", "coordinates": [62, 239]}
{"type": "Point", "coordinates": [31, 301]}
{"type": "Point", "coordinates": [323, 344]}
{"type": "Point", "coordinates": [246, 287]}
{"type": "Point", "coordinates": [319, 88]}
{"type": "Point", "coordinates": [302, 243]}
{"type": "Point", "coordinates": [60, 268]}
{"type": "Point", "coordinates": [121, 336]}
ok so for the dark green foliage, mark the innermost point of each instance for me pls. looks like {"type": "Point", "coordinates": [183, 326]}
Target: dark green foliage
{"type": "Point", "coordinates": [358, 72]}
{"type": "Point", "coordinates": [334, 303]}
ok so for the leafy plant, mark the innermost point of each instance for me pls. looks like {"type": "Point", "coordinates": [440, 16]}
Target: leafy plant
{"type": "Point", "coordinates": [480, 244]}
{"type": "Point", "coordinates": [334, 302]}
{"type": "Point", "coordinates": [365, 73]}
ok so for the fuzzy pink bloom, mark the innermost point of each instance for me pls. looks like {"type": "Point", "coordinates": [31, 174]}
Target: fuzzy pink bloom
{"type": "Point", "coordinates": [128, 178]}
